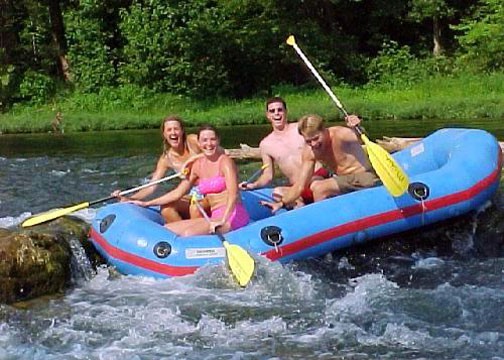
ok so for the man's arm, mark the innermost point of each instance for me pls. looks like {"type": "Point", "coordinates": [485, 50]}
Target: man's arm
{"type": "Point", "coordinates": [306, 172]}
{"type": "Point", "coordinates": [266, 176]}
{"type": "Point", "coordinates": [293, 193]}
{"type": "Point", "coordinates": [348, 135]}
{"type": "Point", "coordinates": [303, 180]}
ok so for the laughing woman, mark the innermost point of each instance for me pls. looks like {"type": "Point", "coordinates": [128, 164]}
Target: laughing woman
{"type": "Point", "coordinates": [216, 177]}
{"type": "Point", "coordinates": [178, 149]}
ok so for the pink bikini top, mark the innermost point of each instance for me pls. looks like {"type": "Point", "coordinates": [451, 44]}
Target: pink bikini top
{"type": "Point", "coordinates": [212, 185]}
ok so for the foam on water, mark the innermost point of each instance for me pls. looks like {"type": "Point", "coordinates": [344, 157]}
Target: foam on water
{"type": "Point", "coordinates": [11, 222]}
{"type": "Point", "coordinates": [112, 317]}
{"type": "Point", "coordinates": [428, 263]}
{"type": "Point", "coordinates": [87, 214]}
{"type": "Point", "coordinates": [197, 317]}
{"type": "Point", "coordinates": [60, 173]}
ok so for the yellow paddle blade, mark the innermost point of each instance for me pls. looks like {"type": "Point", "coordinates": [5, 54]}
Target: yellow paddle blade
{"type": "Point", "coordinates": [242, 265]}
{"type": "Point", "coordinates": [291, 40]}
{"type": "Point", "coordinates": [52, 214]}
{"type": "Point", "coordinates": [388, 170]}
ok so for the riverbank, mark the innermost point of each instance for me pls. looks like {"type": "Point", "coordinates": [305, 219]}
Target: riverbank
{"type": "Point", "coordinates": [468, 97]}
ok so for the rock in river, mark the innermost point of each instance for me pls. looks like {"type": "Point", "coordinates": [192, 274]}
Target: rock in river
{"type": "Point", "coordinates": [37, 261]}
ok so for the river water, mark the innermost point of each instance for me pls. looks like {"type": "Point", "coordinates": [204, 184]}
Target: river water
{"type": "Point", "coordinates": [428, 295]}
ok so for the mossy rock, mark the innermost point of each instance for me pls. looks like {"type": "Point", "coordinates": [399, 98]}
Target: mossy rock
{"type": "Point", "coordinates": [36, 261]}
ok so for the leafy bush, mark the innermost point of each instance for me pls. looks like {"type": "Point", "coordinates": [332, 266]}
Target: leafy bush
{"type": "Point", "coordinates": [7, 80]}
{"type": "Point", "coordinates": [482, 38]}
{"type": "Point", "coordinates": [89, 52]}
{"type": "Point", "coordinates": [391, 65]}
{"type": "Point", "coordinates": [36, 87]}
{"type": "Point", "coordinates": [173, 47]}
{"type": "Point", "coordinates": [396, 67]}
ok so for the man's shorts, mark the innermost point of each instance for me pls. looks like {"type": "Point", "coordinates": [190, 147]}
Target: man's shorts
{"type": "Point", "coordinates": [354, 182]}
{"type": "Point", "coordinates": [307, 194]}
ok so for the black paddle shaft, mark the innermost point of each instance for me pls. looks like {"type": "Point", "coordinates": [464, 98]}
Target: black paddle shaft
{"type": "Point", "coordinates": [101, 200]}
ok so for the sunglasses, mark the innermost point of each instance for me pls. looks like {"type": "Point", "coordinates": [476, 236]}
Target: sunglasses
{"type": "Point", "coordinates": [272, 111]}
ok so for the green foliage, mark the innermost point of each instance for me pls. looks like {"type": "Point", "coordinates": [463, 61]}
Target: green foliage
{"type": "Point", "coordinates": [436, 16]}
{"type": "Point", "coordinates": [35, 39]}
{"type": "Point", "coordinates": [131, 53]}
{"type": "Point", "coordinates": [391, 62]}
{"type": "Point", "coordinates": [27, 67]}
{"type": "Point", "coordinates": [421, 9]}
{"type": "Point", "coordinates": [126, 97]}
{"type": "Point", "coordinates": [36, 88]}
{"type": "Point", "coordinates": [91, 57]}
{"type": "Point", "coordinates": [174, 46]}
{"type": "Point", "coordinates": [6, 79]}
{"type": "Point", "coordinates": [223, 48]}
{"type": "Point", "coordinates": [470, 99]}
{"type": "Point", "coordinates": [482, 37]}
{"type": "Point", "coordinates": [396, 67]}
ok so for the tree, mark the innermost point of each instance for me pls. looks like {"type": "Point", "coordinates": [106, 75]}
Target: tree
{"type": "Point", "coordinates": [174, 46]}
{"type": "Point", "coordinates": [482, 37]}
{"type": "Point", "coordinates": [94, 42]}
{"type": "Point", "coordinates": [9, 42]}
{"type": "Point", "coordinates": [59, 39]}
{"type": "Point", "coordinates": [437, 11]}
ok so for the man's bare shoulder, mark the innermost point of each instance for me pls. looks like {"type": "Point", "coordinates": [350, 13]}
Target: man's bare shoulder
{"type": "Point", "coordinates": [267, 143]}
{"type": "Point", "coordinates": [343, 132]}
{"type": "Point", "coordinates": [266, 140]}
{"type": "Point", "coordinates": [338, 128]}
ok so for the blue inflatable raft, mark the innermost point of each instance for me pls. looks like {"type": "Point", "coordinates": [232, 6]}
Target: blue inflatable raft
{"type": "Point", "coordinates": [452, 172]}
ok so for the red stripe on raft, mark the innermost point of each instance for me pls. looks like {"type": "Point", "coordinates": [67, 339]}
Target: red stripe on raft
{"type": "Point", "coordinates": [138, 261]}
{"type": "Point", "coordinates": [383, 218]}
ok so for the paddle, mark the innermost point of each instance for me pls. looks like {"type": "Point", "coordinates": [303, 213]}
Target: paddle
{"type": "Point", "coordinates": [54, 214]}
{"type": "Point", "coordinates": [240, 263]}
{"type": "Point", "coordinates": [388, 170]}
{"type": "Point", "coordinates": [256, 174]}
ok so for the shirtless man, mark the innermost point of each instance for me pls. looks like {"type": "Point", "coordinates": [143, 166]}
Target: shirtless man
{"type": "Point", "coordinates": [338, 148]}
{"type": "Point", "coordinates": [283, 146]}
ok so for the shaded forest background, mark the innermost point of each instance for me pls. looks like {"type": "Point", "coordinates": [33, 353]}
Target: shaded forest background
{"type": "Point", "coordinates": [234, 49]}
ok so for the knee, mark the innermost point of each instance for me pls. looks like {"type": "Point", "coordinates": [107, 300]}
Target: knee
{"type": "Point", "coordinates": [317, 191]}
{"type": "Point", "coordinates": [194, 212]}
{"type": "Point", "coordinates": [170, 214]}
{"type": "Point", "coordinates": [320, 192]}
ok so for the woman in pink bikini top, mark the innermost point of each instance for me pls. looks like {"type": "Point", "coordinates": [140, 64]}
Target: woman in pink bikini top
{"type": "Point", "coordinates": [216, 177]}
{"type": "Point", "coordinates": [212, 185]}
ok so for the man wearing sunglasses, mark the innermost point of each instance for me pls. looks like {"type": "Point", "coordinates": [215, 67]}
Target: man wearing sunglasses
{"type": "Point", "coordinates": [283, 147]}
